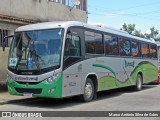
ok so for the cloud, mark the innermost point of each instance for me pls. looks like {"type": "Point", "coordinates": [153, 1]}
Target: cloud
{"type": "Point", "coordinates": [148, 31]}
{"type": "Point", "coordinates": [143, 33]}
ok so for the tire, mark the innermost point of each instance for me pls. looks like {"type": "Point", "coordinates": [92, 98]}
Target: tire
{"type": "Point", "coordinates": [89, 91]}
{"type": "Point", "coordinates": [138, 85]}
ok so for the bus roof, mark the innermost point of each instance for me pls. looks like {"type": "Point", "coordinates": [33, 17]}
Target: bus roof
{"type": "Point", "coordinates": [66, 24]}
{"type": "Point", "coordinates": [49, 25]}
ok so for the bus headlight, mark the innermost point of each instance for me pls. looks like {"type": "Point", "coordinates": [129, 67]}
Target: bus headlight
{"type": "Point", "coordinates": [52, 78]}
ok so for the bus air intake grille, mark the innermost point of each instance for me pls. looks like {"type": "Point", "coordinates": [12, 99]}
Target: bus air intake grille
{"type": "Point", "coordinates": [28, 90]}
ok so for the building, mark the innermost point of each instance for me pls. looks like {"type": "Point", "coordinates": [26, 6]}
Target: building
{"type": "Point", "coordinates": [15, 13]}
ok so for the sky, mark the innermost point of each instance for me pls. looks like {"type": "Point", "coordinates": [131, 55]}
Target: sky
{"type": "Point", "coordinates": [114, 13]}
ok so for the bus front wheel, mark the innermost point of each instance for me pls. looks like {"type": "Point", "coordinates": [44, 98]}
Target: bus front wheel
{"type": "Point", "coordinates": [139, 83]}
{"type": "Point", "coordinates": [88, 94]}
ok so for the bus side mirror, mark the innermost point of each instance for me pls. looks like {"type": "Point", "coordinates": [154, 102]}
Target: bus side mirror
{"type": "Point", "coordinates": [4, 41]}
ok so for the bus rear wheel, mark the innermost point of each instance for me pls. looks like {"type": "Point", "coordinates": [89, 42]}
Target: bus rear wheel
{"type": "Point", "coordinates": [138, 85]}
{"type": "Point", "coordinates": [88, 94]}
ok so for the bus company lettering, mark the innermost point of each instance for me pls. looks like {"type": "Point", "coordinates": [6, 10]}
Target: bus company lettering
{"type": "Point", "coordinates": [98, 60]}
{"type": "Point", "coordinates": [27, 78]}
{"type": "Point", "coordinates": [127, 64]}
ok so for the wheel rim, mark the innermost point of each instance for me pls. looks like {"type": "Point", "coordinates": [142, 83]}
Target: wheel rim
{"type": "Point", "coordinates": [88, 90]}
{"type": "Point", "coordinates": [139, 83]}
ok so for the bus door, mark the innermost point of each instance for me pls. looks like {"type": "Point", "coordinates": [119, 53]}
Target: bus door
{"type": "Point", "coordinates": [72, 66]}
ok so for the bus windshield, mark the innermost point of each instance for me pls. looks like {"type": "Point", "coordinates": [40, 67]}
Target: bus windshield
{"type": "Point", "coordinates": [36, 50]}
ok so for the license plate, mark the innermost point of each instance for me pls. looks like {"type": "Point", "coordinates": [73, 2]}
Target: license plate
{"type": "Point", "coordinates": [27, 94]}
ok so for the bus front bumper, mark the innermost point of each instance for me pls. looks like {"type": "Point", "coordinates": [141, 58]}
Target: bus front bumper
{"type": "Point", "coordinates": [42, 89]}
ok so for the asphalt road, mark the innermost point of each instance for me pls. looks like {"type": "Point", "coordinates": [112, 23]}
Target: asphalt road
{"type": "Point", "coordinates": [114, 100]}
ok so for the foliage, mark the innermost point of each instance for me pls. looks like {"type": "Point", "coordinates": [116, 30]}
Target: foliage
{"type": "Point", "coordinates": [138, 33]}
{"type": "Point", "coordinates": [153, 33]}
{"type": "Point", "coordinates": [130, 28]}
{"type": "Point", "coordinates": [157, 39]}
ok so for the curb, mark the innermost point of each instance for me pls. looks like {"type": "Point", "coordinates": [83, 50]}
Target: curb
{"type": "Point", "coordinates": [3, 102]}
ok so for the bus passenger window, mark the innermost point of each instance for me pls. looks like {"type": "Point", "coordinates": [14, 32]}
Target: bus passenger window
{"type": "Point", "coordinates": [99, 47]}
{"type": "Point", "coordinates": [153, 51]}
{"type": "Point", "coordinates": [94, 43]}
{"type": "Point", "coordinates": [145, 50]}
{"type": "Point", "coordinates": [135, 46]}
{"type": "Point", "coordinates": [89, 41]}
{"type": "Point", "coordinates": [111, 45]}
{"type": "Point", "coordinates": [125, 47]}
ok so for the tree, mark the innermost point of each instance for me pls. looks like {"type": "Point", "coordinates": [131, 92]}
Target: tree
{"type": "Point", "coordinates": [138, 33]}
{"type": "Point", "coordinates": [157, 39]}
{"type": "Point", "coordinates": [129, 28]}
{"type": "Point", "coordinates": [153, 33]}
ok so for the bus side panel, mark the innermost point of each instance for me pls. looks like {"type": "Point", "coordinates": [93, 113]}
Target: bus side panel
{"type": "Point", "coordinates": [148, 69]}
{"type": "Point", "coordinates": [111, 73]}
{"type": "Point", "coordinates": [72, 81]}
{"type": "Point", "coordinates": [123, 72]}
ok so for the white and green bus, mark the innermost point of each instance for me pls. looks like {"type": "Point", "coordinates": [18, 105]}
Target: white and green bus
{"type": "Point", "coordinates": [158, 52]}
{"type": "Point", "coordinates": [63, 59]}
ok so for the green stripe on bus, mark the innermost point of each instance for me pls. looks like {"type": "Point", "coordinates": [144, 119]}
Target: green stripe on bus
{"type": "Point", "coordinates": [105, 67]}
{"type": "Point", "coordinates": [110, 82]}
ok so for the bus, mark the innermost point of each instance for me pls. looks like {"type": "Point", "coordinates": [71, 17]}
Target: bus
{"type": "Point", "coordinates": [158, 52]}
{"type": "Point", "coordinates": [158, 81]}
{"type": "Point", "coordinates": [64, 59]}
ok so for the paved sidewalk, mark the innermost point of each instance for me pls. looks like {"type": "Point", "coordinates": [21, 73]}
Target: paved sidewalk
{"type": "Point", "coordinates": [6, 98]}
